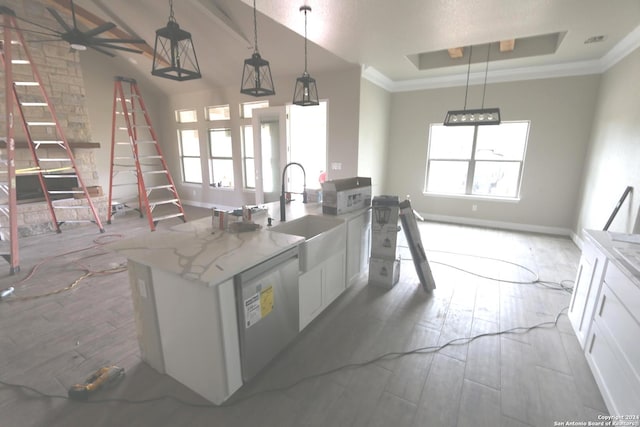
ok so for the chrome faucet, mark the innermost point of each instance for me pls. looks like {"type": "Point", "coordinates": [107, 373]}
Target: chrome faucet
{"type": "Point", "coordinates": [283, 216]}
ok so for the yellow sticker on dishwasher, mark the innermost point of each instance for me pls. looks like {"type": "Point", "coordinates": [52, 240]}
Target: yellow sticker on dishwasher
{"type": "Point", "coordinates": [266, 301]}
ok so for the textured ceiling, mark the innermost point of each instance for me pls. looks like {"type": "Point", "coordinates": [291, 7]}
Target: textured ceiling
{"type": "Point", "coordinates": [388, 38]}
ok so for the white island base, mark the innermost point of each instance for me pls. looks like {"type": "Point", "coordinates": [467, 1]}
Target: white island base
{"type": "Point", "coordinates": [182, 284]}
{"type": "Point", "coordinates": [195, 339]}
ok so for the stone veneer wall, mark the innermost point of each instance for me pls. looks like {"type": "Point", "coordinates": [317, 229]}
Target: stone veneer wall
{"type": "Point", "coordinates": [60, 71]}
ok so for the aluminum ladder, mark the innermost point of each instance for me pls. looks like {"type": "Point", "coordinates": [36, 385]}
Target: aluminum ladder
{"type": "Point", "coordinates": [140, 177]}
{"type": "Point", "coordinates": [27, 101]}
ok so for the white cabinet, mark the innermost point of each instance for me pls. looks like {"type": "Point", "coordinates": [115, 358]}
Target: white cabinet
{"type": "Point", "coordinates": [188, 330]}
{"type": "Point", "coordinates": [310, 294]}
{"type": "Point", "coordinates": [613, 352]}
{"type": "Point", "coordinates": [605, 314]}
{"type": "Point", "coordinates": [585, 291]}
{"type": "Point", "coordinates": [334, 283]}
{"type": "Point", "coordinates": [358, 246]}
{"type": "Point", "coordinates": [320, 286]}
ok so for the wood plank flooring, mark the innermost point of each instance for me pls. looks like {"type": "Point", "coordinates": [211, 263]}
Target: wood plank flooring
{"type": "Point", "coordinates": [518, 379]}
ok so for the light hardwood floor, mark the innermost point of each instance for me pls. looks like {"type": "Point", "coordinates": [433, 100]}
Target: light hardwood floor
{"type": "Point", "coordinates": [525, 379]}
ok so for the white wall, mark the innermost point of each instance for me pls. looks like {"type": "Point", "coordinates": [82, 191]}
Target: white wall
{"type": "Point", "coordinates": [375, 108]}
{"type": "Point", "coordinates": [561, 112]}
{"type": "Point", "coordinates": [613, 162]}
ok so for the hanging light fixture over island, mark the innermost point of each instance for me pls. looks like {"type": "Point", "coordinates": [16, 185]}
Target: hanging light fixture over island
{"type": "Point", "coordinates": [256, 75]}
{"type": "Point", "coordinates": [174, 56]}
{"type": "Point", "coordinates": [306, 91]}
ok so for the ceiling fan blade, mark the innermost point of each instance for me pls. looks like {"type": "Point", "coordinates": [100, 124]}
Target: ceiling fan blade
{"type": "Point", "coordinates": [73, 15]}
{"type": "Point", "coordinates": [101, 29]}
{"type": "Point", "coordinates": [43, 40]}
{"type": "Point", "coordinates": [128, 49]}
{"type": "Point", "coordinates": [61, 21]}
{"type": "Point", "coordinates": [101, 50]}
{"type": "Point", "coordinates": [51, 33]}
{"type": "Point", "coordinates": [106, 40]}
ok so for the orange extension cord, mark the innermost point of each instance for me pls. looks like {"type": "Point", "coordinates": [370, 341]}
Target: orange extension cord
{"type": "Point", "coordinates": [87, 271]}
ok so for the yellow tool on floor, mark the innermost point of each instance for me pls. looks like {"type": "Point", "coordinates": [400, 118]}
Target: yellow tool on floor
{"type": "Point", "coordinates": [103, 377]}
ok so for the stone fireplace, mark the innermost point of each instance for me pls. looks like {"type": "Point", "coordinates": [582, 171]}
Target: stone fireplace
{"type": "Point", "coordinates": [62, 78]}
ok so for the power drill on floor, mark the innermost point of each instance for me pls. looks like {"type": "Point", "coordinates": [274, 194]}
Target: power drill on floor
{"type": "Point", "coordinates": [103, 377]}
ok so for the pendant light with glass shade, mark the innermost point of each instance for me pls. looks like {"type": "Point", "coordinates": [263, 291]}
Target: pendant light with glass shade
{"type": "Point", "coordinates": [256, 75]}
{"type": "Point", "coordinates": [174, 56]}
{"type": "Point", "coordinates": [306, 91]}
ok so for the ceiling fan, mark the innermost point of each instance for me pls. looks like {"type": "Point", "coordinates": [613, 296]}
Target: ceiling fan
{"type": "Point", "coordinates": [81, 40]}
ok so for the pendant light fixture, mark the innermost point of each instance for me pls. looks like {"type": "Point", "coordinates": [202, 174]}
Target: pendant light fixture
{"type": "Point", "coordinates": [306, 91]}
{"type": "Point", "coordinates": [174, 56]}
{"type": "Point", "coordinates": [256, 75]}
{"type": "Point", "coordinates": [482, 116]}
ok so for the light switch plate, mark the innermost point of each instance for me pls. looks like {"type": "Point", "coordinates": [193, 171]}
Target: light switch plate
{"type": "Point", "coordinates": [142, 288]}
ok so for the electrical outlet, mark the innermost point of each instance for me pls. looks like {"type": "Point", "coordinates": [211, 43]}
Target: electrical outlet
{"type": "Point", "coordinates": [474, 208]}
{"type": "Point", "coordinates": [336, 166]}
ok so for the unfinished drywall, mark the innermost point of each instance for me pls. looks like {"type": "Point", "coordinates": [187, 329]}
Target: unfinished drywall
{"type": "Point", "coordinates": [561, 112]}
{"type": "Point", "coordinates": [375, 106]}
{"type": "Point", "coordinates": [612, 162]}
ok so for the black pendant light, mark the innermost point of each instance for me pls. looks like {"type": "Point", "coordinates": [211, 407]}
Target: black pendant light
{"type": "Point", "coordinates": [306, 91]}
{"type": "Point", "coordinates": [475, 117]}
{"type": "Point", "coordinates": [174, 56]}
{"type": "Point", "coordinates": [256, 75]}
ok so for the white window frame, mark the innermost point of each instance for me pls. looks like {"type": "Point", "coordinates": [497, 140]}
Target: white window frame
{"type": "Point", "coordinates": [183, 156]}
{"type": "Point", "coordinates": [246, 108]}
{"type": "Point", "coordinates": [472, 162]}
{"type": "Point", "coordinates": [182, 116]}
{"type": "Point", "coordinates": [244, 130]}
{"type": "Point", "coordinates": [225, 158]}
{"type": "Point", "coordinates": [212, 118]}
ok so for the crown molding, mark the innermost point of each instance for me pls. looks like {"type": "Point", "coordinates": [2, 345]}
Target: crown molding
{"type": "Point", "coordinates": [579, 68]}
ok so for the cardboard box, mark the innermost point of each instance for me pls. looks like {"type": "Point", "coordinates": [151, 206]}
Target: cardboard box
{"type": "Point", "coordinates": [384, 272]}
{"type": "Point", "coordinates": [346, 195]}
{"type": "Point", "coordinates": [94, 191]}
{"type": "Point", "coordinates": [384, 242]}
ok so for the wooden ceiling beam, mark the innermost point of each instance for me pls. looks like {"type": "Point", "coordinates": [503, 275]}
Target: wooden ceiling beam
{"type": "Point", "coordinates": [88, 18]}
{"type": "Point", "coordinates": [456, 52]}
{"type": "Point", "coordinates": [507, 45]}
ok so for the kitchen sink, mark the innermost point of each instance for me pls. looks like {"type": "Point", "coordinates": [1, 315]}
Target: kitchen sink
{"type": "Point", "coordinates": [323, 235]}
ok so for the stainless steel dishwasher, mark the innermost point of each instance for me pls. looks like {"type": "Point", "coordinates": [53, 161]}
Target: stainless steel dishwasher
{"type": "Point", "coordinates": [268, 310]}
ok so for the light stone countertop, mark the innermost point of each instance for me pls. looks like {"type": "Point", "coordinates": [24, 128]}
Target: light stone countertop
{"type": "Point", "coordinates": [195, 251]}
{"type": "Point", "coordinates": [606, 241]}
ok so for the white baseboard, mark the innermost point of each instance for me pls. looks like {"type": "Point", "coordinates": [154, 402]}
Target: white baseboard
{"type": "Point", "coordinates": [501, 225]}
{"type": "Point", "coordinates": [577, 239]}
{"type": "Point", "coordinates": [207, 205]}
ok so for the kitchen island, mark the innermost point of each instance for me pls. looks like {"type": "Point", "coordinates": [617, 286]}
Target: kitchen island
{"type": "Point", "coordinates": [182, 283]}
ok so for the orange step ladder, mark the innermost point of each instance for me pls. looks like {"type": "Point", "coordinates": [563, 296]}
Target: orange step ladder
{"type": "Point", "coordinates": [140, 177]}
{"type": "Point", "coordinates": [28, 102]}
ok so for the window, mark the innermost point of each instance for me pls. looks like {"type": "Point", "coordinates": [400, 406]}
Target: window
{"type": "Point", "coordinates": [248, 159]}
{"type": "Point", "coordinates": [221, 160]}
{"type": "Point", "coordinates": [477, 160]}
{"type": "Point", "coordinates": [190, 155]}
{"type": "Point", "coordinates": [246, 108]}
{"type": "Point", "coordinates": [217, 112]}
{"type": "Point", "coordinates": [186, 116]}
